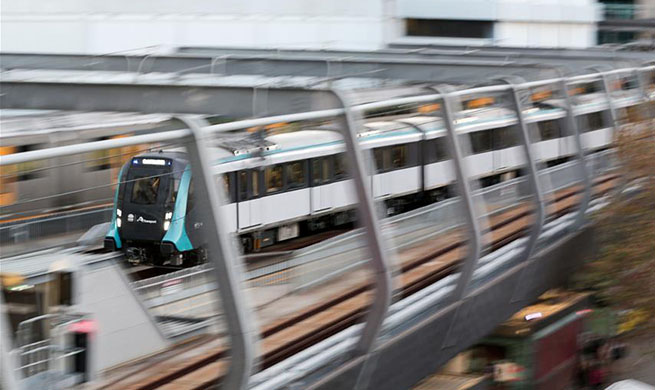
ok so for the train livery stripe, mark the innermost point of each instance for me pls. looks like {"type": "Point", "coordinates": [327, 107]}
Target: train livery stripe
{"type": "Point", "coordinates": [177, 234]}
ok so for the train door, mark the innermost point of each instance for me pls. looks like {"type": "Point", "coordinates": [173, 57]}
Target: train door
{"type": "Point", "coordinates": [244, 202]}
{"type": "Point", "coordinates": [320, 190]}
{"type": "Point", "coordinates": [250, 201]}
{"type": "Point", "coordinates": [256, 202]}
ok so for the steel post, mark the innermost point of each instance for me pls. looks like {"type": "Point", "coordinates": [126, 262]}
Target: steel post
{"type": "Point", "coordinates": [607, 91]}
{"type": "Point", "coordinates": [642, 79]}
{"type": "Point", "coordinates": [350, 123]}
{"type": "Point", "coordinates": [464, 189]}
{"type": "Point", "coordinates": [533, 177]}
{"type": "Point", "coordinates": [223, 256]}
{"type": "Point", "coordinates": [8, 367]}
{"type": "Point", "coordinates": [573, 130]}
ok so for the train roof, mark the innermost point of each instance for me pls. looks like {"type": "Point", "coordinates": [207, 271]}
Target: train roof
{"type": "Point", "coordinates": [16, 123]}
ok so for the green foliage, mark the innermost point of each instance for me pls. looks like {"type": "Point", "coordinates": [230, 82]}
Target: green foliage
{"type": "Point", "coordinates": [622, 271]}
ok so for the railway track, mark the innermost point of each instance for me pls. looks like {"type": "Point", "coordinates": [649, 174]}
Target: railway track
{"type": "Point", "coordinates": [201, 363]}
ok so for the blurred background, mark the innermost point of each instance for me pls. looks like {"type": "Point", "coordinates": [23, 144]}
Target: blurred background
{"type": "Point", "coordinates": [75, 26]}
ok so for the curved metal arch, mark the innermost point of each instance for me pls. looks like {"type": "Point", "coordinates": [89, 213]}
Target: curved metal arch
{"type": "Point", "coordinates": [572, 129]}
{"type": "Point", "coordinates": [464, 189]}
{"type": "Point", "coordinates": [350, 122]}
{"type": "Point", "coordinates": [227, 268]}
{"type": "Point", "coordinates": [514, 83]}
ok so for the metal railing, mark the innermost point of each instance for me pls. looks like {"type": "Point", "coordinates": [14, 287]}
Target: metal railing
{"type": "Point", "coordinates": [628, 11]}
{"type": "Point", "coordinates": [226, 268]}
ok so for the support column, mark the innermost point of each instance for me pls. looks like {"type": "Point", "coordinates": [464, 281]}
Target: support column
{"type": "Point", "coordinates": [572, 129]}
{"type": "Point", "coordinates": [533, 177]}
{"type": "Point", "coordinates": [223, 257]}
{"type": "Point", "coordinates": [464, 189]}
{"type": "Point", "coordinates": [350, 124]}
{"type": "Point", "coordinates": [9, 370]}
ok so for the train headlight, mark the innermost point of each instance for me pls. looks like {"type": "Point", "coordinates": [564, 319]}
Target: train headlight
{"type": "Point", "coordinates": [119, 222]}
{"type": "Point", "coordinates": [119, 212]}
{"type": "Point", "coordinates": [169, 215]}
{"type": "Point", "coordinates": [167, 224]}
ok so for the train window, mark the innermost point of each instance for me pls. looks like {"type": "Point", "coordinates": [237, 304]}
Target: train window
{"type": "Point", "coordinates": [317, 171]}
{"type": "Point", "coordinates": [243, 185]}
{"type": "Point", "coordinates": [228, 185]}
{"type": "Point", "coordinates": [391, 157]}
{"type": "Point", "coordinates": [590, 122]}
{"type": "Point", "coordinates": [295, 174]}
{"type": "Point", "coordinates": [505, 137]}
{"type": "Point", "coordinates": [29, 170]}
{"type": "Point", "coordinates": [480, 141]}
{"type": "Point", "coordinates": [254, 179]}
{"type": "Point", "coordinates": [145, 189]}
{"type": "Point", "coordinates": [378, 155]}
{"type": "Point", "coordinates": [99, 160]}
{"type": "Point", "coordinates": [320, 170]}
{"type": "Point", "coordinates": [595, 120]}
{"type": "Point", "coordinates": [172, 193]}
{"type": "Point", "coordinates": [549, 130]}
{"type": "Point", "coordinates": [273, 177]}
{"type": "Point", "coordinates": [436, 150]}
{"type": "Point", "coordinates": [398, 156]}
{"type": "Point", "coordinates": [191, 198]}
{"type": "Point", "coordinates": [340, 166]}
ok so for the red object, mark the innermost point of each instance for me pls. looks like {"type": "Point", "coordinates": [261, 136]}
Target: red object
{"type": "Point", "coordinates": [83, 326]}
{"type": "Point", "coordinates": [596, 376]}
{"type": "Point", "coordinates": [555, 357]}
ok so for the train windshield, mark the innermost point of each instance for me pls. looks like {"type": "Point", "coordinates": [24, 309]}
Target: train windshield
{"type": "Point", "coordinates": [172, 193]}
{"type": "Point", "coordinates": [145, 189]}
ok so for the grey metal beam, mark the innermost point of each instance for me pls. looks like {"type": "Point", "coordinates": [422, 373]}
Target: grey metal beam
{"type": "Point", "coordinates": [158, 97]}
{"type": "Point", "coordinates": [8, 367]}
{"type": "Point", "coordinates": [593, 52]}
{"type": "Point", "coordinates": [222, 254]}
{"type": "Point", "coordinates": [451, 69]}
{"type": "Point", "coordinates": [574, 61]}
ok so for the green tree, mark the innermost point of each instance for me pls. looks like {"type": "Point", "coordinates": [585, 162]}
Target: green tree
{"type": "Point", "coordinates": [622, 271]}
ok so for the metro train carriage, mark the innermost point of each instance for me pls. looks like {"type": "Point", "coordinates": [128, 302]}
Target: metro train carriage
{"type": "Point", "coordinates": [42, 187]}
{"type": "Point", "coordinates": [283, 185]}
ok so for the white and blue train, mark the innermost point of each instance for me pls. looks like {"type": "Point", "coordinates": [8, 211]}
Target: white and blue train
{"type": "Point", "coordinates": [285, 185]}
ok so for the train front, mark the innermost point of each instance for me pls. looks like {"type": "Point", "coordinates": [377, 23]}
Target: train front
{"type": "Point", "coordinates": [146, 208]}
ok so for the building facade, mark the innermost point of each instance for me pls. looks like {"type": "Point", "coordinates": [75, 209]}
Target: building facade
{"type": "Point", "coordinates": [93, 26]}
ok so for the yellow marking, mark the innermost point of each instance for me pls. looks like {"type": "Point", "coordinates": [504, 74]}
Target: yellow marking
{"type": "Point", "coordinates": [541, 95]}
{"type": "Point", "coordinates": [7, 184]}
{"type": "Point", "coordinates": [428, 108]}
{"type": "Point", "coordinates": [480, 102]}
{"type": "Point", "coordinates": [10, 279]}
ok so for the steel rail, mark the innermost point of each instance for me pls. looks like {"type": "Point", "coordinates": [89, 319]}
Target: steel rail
{"type": "Point", "coordinates": [41, 154]}
{"type": "Point", "coordinates": [316, 64]}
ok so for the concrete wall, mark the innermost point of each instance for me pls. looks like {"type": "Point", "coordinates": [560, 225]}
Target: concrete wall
{"type": "Point", "coordinates": [95, 26]}
{"type": "Point", "coordinates": [543, 34]}
{"type": "Point", "coordinates": [125, 330]}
